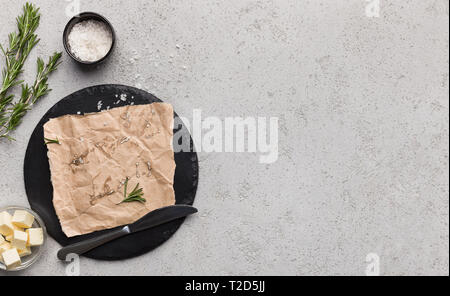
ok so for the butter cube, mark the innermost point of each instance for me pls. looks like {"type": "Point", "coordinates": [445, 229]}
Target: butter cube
{"type": "Point", "coordinates": [3, 248]}
{"type": "Point", "coordinates": [22, 219]}
{"type": "Point", "coordinates": [19, 239]}
{"type": "Point", "coordinates": [18, 228]}
{"type": "Point", "coordinates": [35, 237]}
{"type": "Point", "coordinates": [6, 227]}
{"type": "Point", "coordinates": [10, 237]}
{"type": "Point", "coordinates": [24, 252]}
{"type": "Point", "coordinates": [11, 258]}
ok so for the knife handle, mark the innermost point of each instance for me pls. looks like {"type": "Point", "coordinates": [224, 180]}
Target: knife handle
{"type": "Point", "coordinates": [89, 244]}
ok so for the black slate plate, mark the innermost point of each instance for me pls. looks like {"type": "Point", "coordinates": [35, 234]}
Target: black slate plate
{"type": "Point", "coordinates": [40, 191]}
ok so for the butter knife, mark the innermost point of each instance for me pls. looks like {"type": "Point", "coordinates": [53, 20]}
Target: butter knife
{"type": "Point", "coordinates": [152, 219]}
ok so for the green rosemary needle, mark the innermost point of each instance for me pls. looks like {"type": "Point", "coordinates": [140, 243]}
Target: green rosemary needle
{"type": "Point", "coordinates": [135, 195]}
{"type": "Point", "coordinates": [48, 141]}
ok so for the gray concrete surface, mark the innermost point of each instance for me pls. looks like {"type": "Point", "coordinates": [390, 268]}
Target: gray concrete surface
{"type": "Point", "coordinates": [363, 142]}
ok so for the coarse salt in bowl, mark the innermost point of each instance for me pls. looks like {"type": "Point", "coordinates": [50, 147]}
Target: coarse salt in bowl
{"type": "Point", "coordinates": [88, 38]}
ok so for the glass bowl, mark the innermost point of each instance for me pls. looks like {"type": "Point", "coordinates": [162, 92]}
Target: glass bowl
{"type": "Point", "coordinates": [36, 252]}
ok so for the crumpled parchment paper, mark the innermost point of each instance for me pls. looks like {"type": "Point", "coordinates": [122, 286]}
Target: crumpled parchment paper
{"type": "Point", "coordinates": [97, 152]}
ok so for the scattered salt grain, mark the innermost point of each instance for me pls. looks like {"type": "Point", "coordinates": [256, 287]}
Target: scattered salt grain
{"type": "Point", "coordinates": [123, 97]}
{"type": "Point", "coordinates": [124, 140]}
{"type": "Point", "coordinates": [99, 105]}
{"type": "Point", "coordinates": [90, 40]}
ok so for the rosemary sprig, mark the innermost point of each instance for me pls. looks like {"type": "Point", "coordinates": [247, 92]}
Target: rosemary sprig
{"type": "Point", "coordinates": [135, 195]}
{"type": "Point", "coordinates": [30, 95]}
{"type": "Point", "coordinates": [20, 45]}
{"type": "Point", "coordinates": [48, 141]}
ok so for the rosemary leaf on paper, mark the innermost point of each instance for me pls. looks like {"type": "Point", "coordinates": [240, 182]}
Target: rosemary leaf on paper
{"type": "Point", "coordinates": [135, 195]}
{"type": "Point", "coordinates": [48, 141]}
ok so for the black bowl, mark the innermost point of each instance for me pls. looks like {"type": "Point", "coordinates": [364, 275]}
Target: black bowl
{"type": "Point", "coordinates": [84, 16]}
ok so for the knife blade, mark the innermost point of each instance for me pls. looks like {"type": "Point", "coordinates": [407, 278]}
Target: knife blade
{"type": "Point", "coordinates": [152, 219]}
